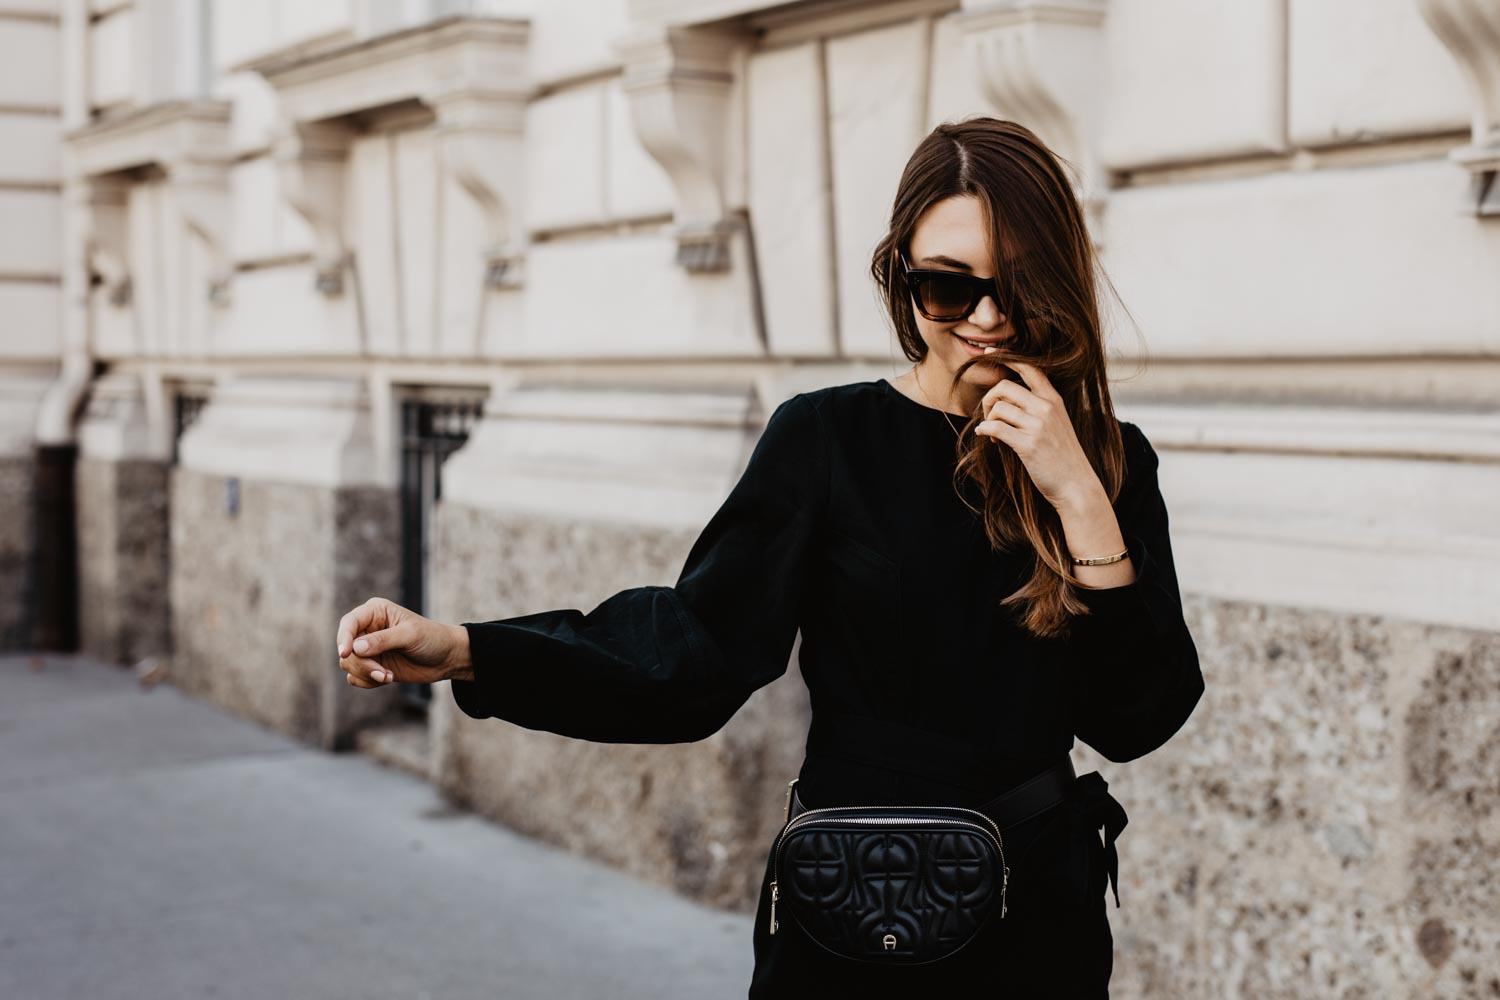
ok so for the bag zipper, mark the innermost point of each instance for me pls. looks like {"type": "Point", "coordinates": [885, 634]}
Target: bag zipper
{"type": "Point", "coordinates": [989, 827]}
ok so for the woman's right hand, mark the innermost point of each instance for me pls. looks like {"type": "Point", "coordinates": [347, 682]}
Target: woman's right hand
{"type": "Point", "coordinates": [380, 643]}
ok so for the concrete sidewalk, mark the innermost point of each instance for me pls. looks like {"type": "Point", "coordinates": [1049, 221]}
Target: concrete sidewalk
{"type": "Point", "coordinates": [154, 847]}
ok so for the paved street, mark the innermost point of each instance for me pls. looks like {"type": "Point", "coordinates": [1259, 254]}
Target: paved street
{"type": "Point", "coordinates": [154, 847]}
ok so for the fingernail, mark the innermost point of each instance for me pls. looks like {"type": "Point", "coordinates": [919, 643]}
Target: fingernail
{"type": "Point", "coordinates": [340, 647]}
{"type": "Point", "coordinates": [361, 645]}
{"type": "Point", "coordinates": [379, 675]}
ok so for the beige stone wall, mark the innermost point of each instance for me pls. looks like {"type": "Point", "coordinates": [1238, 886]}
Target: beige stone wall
{"type": "Point", "coordinates": [281, 194]}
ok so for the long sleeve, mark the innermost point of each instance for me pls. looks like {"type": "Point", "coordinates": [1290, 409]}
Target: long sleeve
{"type": "Point", "coordinates": [1134, 656]}
{"type": "Point", "coordinates": [659, 664]}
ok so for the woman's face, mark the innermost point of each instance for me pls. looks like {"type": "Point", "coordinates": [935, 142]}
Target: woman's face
{"type": "Point", "coordinates": [950, 236]}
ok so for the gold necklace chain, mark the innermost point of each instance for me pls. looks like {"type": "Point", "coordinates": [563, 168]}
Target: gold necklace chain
{"type": "Point", "coordinates": [946, 415]}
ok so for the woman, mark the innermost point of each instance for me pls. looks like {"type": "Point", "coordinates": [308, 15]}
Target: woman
{"type": "Point", "coordinates": [924, 533]}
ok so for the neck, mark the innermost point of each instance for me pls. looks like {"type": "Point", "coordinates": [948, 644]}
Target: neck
{"type": "Point", "coordinates": [934, 385]}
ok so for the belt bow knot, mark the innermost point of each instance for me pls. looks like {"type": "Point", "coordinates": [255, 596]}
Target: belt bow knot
{"type": "Point", "coordinates": [1093, 804]}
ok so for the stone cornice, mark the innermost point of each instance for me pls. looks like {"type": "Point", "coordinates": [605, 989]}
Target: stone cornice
{"type": "Point", "coordinates": [683, 12]}
{"type": "Point", "coordinates": [164, 135]}
{"type": "Point", "coordinates": [458, 56]}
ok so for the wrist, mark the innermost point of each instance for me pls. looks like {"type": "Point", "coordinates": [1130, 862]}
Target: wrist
{"type": "Point", "coordinates": [1083, 500]}
{"type": "Point", "coordinates": [460, 665]}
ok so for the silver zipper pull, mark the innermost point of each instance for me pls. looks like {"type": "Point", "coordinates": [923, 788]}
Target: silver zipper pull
{"type": "Point", "coordinates": [774, 896]}
{"type": "Point", "coordinates": [1004, 881]}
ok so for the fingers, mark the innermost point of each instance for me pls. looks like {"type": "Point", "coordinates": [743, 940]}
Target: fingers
{"type": "Point", "coordinates": [1003, 389]}
{"type": "Point", "coordinates": [1036, 380]}
{"type": "Point", "coordinates": [372, 644]}
{"type": "Point", "coordinates": [1005, 410]}
{"type": "Point", "coordinates": [364, 672]}
{"type": "Point", "coordinates": [362, 664]}
{"type": "Point", "coordinates": [359, 648]}
{"type": "Point", "coordinates": [355, 622]}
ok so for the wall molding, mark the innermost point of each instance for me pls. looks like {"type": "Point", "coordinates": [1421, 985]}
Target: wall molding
{"type": "Point", "coordinates": [1456, 435]}
{"type": "Point", "coordinates": [1358, 510]}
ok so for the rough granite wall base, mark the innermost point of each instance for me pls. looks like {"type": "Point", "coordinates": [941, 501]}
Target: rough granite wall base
{"type": "Point", "coordinates": [17, 553]}
{"type": "Point", "coordinates": [1326, 823]}
{"type": "Point", "coordinates": [256, 598]}
{"type": "Point", "coordinates": [696, 817]}
{"type": "Point", "coordinates": [124, 566]}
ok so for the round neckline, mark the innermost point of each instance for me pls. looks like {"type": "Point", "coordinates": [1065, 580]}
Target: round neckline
{"type": "Point", "coordinates": [921, 406]}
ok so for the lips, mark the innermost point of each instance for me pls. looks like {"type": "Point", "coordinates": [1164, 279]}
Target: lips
{"type": "Point", "coordinates": [969, 346]}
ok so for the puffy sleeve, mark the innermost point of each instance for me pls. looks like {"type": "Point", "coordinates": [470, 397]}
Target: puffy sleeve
{"type": "Point", "coordinates": [658, 664]}
{"type": "Point", "coordinates": [1135, 660]}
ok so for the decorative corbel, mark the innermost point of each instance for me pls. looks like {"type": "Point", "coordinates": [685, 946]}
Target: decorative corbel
{"type": "Point", "coordinates": [312, 159]}
{"type": "Point", "coordinates": [1471, 31]}
{"type": "Point", "coordinates": [107, 234]}
{"type": "Point", "coordinates": [481, 138]}
{"type": "Point", "coordinates": [202, 192]}
{"type": "Point", "coordinates": [1042, 64]}
{"type": "Point", "coordinates": [678, 82]}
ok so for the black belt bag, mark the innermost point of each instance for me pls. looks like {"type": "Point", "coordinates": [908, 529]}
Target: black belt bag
{"type": "Point", "coordinates": [901, 885]}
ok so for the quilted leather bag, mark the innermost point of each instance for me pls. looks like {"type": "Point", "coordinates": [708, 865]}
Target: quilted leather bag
{"type": "Point", "coordinates": [901, 885]}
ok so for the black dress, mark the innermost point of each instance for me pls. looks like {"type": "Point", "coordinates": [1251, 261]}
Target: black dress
{"type": "Point", "coordinates": [845, 524]}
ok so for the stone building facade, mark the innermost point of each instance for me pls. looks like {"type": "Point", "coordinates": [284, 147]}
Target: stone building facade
{"type": "Point", "coordinates": [481, 304]}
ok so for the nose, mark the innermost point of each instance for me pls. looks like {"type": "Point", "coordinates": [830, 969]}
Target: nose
{"type": "Point", "coordinates": [987, 314]}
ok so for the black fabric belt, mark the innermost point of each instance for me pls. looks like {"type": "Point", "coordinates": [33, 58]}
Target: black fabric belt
{"type": "Point", "coordinates": [1030, 798]}
{"type": "Point", "coordinates": [897, 746]}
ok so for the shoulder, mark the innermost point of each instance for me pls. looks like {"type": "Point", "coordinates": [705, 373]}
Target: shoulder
{"type": "Point", "coordinates": [1140, 456]}
{"type": "Point", "coordinates": [815, 421]}
{"type": "Point", "coordinates": [794, 431]}
{"type": "Point", "coordinates": [789, 460]}
{"type": "Point", "coordinates": [829, 397]}
{"type": "Point", "coordinates": [1140, 480]}
{"type": "Point", "coordinates": [836, 405]}
{"type": "Point", "coordinates": [826, 408]}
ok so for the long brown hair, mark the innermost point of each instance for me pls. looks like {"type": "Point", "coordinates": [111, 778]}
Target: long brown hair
{"type": "Point", "coordinates": [1034, 215]}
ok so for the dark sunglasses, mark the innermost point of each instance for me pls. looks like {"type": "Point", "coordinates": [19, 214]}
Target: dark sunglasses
{"type": "Point", "coordinates": [948, 296]}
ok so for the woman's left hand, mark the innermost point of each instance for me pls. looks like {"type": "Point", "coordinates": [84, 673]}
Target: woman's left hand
{"type": "Point", "coordinates": [1033, 420]}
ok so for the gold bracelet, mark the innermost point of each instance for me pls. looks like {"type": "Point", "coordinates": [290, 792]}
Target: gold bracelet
{"type": "Point", "coordinates": [1099, 560]}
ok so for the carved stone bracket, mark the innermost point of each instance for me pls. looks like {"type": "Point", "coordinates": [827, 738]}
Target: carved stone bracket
{"type": "Point", "coordinates": [102, 199]}
{"type": "Point", "coordinates": [1043, 64]}
{"type": "Point", "coordinates": [312, 160]}
{"type": "Point", "coordinates": [1471, 31]}
{"type": "Point", "coordinates": [480, 139]}
{"type": "Point", "coordinates": [470, 72]}
{"type": "Point", "coordinates": [678, 81]}
{"type": "Point", "coordinates": [202, 193]}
